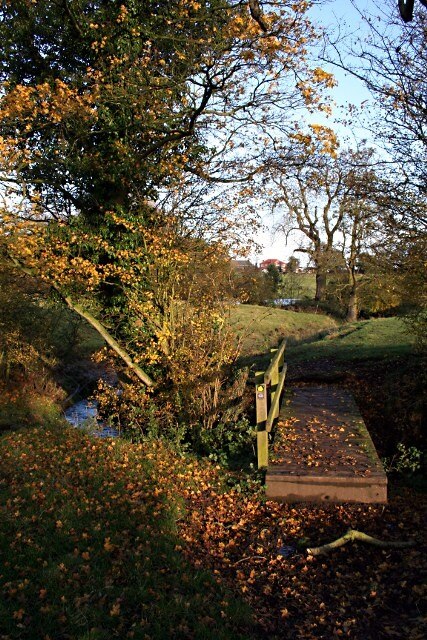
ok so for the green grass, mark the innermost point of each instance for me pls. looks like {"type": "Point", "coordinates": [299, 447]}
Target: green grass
{"type": "Point", "coordinates": [368, 339]}
{"type": "Point", "coordinates": [261, 328]}
{"type": "Point", "coordinates": [298, 285]}
{"type": "Point", "coordinates": [89, 546]}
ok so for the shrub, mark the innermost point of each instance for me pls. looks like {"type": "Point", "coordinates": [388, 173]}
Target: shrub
{"type": "Point", "coordinates": [406, 460]}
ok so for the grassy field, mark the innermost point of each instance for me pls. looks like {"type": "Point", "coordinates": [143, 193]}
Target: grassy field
{"type": "Point", "coordinates": [261, 328]}
{"type": "Point", "coordinates": [298, 285]}
{"type": "Point", "coordinates": [369, 339]}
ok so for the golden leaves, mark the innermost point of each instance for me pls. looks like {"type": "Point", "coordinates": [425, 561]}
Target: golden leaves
{"type": "Point", "coordinates": [321, 139]}
{"type": "Point", "coordinates": [123, 14]}
{"type": "Point", "coordinates": [321, 76]}
{"type": "Point", "coordinates": [54, 102]}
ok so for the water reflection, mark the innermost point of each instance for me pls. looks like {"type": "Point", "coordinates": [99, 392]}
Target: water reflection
{"type": "Point", "coordinates": [84, 415]}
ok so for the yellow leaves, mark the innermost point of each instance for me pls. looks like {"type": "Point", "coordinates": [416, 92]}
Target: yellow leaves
{"type": "Point", "coordinates": [302, 138]}
{"type": "Point", "coordinates": [108, 546]}
{"type": "Point", "coordinates": [308, 92]}
{"type": "Point", "coordinates": [98, 45]}
{"type": "Point", "coordinates": [311, 88]}
{"type": "Point", "coordinates": [321, 76]}
{"type": "Point", "coordinates": [33, 107]}
{"type": "Point", "coordinates": [327, 137]}
{"type": "Point", "coordinates": [123, 14]}
{"type": "Point", "coordinates": [115, 609]}
{"type": "Point", "coordinates": [322, 139]}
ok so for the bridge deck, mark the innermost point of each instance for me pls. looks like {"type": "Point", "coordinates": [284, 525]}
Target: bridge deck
{"type": "Point", "coordinates": [322, 450]}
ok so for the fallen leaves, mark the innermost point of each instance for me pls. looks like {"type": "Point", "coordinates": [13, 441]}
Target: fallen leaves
{"type": "Point", "coordinates": [324, 436]}
{"type": "Point", "coordinates": [154, 544]}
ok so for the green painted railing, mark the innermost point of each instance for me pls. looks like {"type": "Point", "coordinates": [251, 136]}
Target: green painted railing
{"type": "Point", "coordinates": [268, 390]}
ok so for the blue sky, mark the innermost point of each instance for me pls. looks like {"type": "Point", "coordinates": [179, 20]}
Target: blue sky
{"type": "Point", "coordinates": [332, 15]}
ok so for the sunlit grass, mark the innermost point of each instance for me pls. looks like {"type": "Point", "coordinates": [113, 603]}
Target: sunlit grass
{"type": "Point", "coordinates": [367, 339]}
{"type": "Point", "coordinates": [298, 285]}
{"type": "Point", "coordinates": [260, 328]}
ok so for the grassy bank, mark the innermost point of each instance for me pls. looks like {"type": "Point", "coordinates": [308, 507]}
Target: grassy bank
{"type": "Point", "coordinates": [260, 328]}
{"type": "Point", "coordinates": [369, 339]}
{"type": "Point", "coordinates": [89, 546]}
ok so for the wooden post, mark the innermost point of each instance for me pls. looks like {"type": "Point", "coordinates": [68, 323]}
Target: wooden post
{"type": "Point", "coordinates": [282, 359]}
{"type": "Point", "coordinates": [261, 400]}
{"type": "Point", "coordinates": [274, 383]}
{"type": "Point", "coordinates": [262, 448]}
{"type": "Point", "coordinates": [261, 418]}
{"type": "Point", "coordinates": [268, 382]}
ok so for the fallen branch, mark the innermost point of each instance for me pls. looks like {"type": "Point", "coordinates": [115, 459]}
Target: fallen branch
{"type": "Point", "coordinates": [353, 535]}
{"type": "Point", "coordinates": [248, 558]}
{"type": "Point", "coordinates": [106, 335]}
{"type": "Point", "coordinates": [103, 332]}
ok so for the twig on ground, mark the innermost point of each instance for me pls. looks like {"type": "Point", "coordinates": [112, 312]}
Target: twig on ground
{"type": "Point", "coordinates": [353, 535]}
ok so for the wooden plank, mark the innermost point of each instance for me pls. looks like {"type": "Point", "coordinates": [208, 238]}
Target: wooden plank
{"type": "Point", "coordinates": [323, 452]}
{"type": "Point", "coordinates": [275, 404]}
{"type": "Point", "coordinates": [332, 489]}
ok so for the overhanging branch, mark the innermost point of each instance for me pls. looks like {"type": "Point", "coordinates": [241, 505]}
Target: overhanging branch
{"type": "Point", "coordinates": [103, 332]}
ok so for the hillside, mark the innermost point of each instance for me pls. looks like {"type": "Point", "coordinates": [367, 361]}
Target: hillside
{"type": "Point", "coordinates": [260, 328]}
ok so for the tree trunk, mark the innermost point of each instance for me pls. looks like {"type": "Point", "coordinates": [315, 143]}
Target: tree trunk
{"type": "Point", "coordinates": [320, 285]}
{"type": "Point", "coordinates": [103, 332]}
{"type": "Point", "coordinates": [353, 302]}
{"type": "Point", "coordinates": [352, 308]}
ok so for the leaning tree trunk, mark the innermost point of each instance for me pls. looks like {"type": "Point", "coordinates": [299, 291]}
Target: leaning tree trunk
{"type": "Point", "coordinates": [103, 332]}
{"type": "Point", "coordinates": [106, 335]}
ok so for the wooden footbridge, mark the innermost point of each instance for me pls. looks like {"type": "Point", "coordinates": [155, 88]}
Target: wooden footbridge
{"type": "Point", "coordinates": [313, 442]}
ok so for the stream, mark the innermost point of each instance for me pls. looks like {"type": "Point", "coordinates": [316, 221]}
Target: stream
{"type": "Point", "coordinates": [84, 415]}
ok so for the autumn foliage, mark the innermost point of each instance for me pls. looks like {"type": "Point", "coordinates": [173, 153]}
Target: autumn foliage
{"type": "Point", "coordinates": [116, 124]}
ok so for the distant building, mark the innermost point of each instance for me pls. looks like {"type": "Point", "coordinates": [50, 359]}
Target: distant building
{"type": "Point", "coordinates": [278, 263]}
{"type": "Point", "coordinates": [241, 265]}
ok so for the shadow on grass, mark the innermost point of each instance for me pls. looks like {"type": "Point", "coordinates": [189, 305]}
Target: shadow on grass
{"type": "Point", "coordinates": [89, 550]}
{"type": "Point", "coordinates": [313, 352]}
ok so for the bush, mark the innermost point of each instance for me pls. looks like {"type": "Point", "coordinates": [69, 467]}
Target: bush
{"type": "Point", "coordinates": [34, 334]}
{"type": "Point", "coordinates": [207, 417]}
{"type": "Point", "coordinates": [406, 460]}
{"type": "Point", "coordinates": [417, 323]}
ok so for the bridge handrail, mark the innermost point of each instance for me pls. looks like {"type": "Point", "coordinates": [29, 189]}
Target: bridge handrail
{"type": "Point", "coordinates": [268, 389]}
